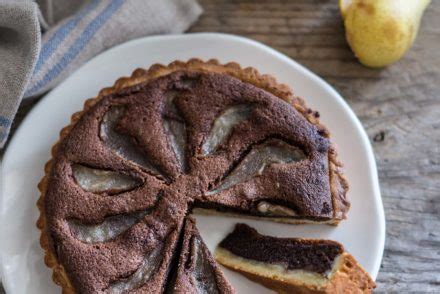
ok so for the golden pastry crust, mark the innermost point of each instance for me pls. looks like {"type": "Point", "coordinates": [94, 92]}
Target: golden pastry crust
{"type": "Point", "coordinates": [250, 75]}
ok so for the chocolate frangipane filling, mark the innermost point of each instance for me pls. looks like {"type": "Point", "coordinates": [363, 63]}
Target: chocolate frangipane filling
{"type": "Point", "coordinates": [197, 271]}
{"type": "Point", "coordinates": [292, 265]}
{"type": "Point", "coordinates": [199, 134]}
{"type": "Point", "coordinates": [293, 254]}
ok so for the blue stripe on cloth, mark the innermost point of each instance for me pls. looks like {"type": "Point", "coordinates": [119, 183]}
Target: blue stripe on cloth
{"type": "Point", "coordinates": [78, 45]}
{"type": "Point", "coordinates": [5, 122]}
{"type": "Point", "coordinates": [61, 34]}
{"type": "Point", "coordinates": [2, 137]}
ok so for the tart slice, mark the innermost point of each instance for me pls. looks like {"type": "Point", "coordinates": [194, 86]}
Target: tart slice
{"type": "Point", "coordinates": [289, 265]}
{"type": "Point", "coordinates": [197, 271]}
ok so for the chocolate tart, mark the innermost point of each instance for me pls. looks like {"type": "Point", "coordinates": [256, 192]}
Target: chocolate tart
{"type": "Point", "coordinates": [197, 271]}
{"type": "Point", "coordinates": [292, 265]}
{"type": "Point", "coordinates": [146, 151]}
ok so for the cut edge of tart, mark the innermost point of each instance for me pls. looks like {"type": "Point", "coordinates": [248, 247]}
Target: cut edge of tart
{"type": "Point", "coordinates": [283, 220]}
{"type": "Point", "coordinates": [197, 271]}
{"type": "Point", "coordinates": [342, 275]}
{"type": "Point", "coordinates": [338, 183]}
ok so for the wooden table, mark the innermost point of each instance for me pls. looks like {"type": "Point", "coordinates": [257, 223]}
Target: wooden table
{"type": "Point", "coordinates": [399, 106]}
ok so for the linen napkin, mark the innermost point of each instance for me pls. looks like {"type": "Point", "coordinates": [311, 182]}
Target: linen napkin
{"type": "Point", "coordinates": [42, 42]}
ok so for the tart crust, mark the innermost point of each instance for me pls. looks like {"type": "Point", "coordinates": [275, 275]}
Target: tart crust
{"type": "Point", "coordinates": [338, 183]}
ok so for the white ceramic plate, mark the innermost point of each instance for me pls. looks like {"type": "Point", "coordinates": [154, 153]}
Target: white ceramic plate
{"type": "Point", "coordinates": [22, 268]}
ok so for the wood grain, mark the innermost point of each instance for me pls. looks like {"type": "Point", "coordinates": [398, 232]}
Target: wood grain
{"type": "Point", "coordinates": [399, 106]}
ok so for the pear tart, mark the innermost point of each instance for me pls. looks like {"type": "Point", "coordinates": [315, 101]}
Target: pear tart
{"type": "Point", "coordinates": [131, 165]}
{"type": "Point", "coordinates": [291, 265]}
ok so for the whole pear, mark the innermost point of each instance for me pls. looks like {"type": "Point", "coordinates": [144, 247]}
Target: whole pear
{"type": "Point", "coordinates": [380, 32]}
